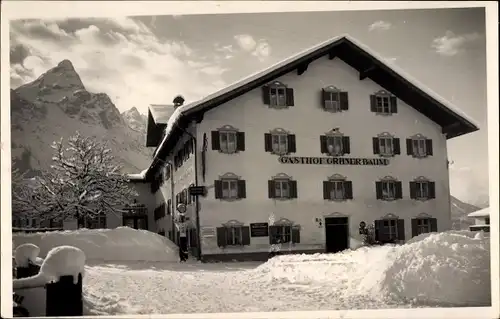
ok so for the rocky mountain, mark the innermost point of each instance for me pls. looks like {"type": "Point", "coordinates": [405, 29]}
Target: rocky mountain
{"type": "Point", "coordinates": [135, 120]}
{"type": "Point", "coordinates": [56, 105]}
{"type": "Point", "coordinates": [459, 212]}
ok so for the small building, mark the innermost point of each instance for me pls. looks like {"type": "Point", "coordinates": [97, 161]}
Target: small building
{"type": "Point", "coordinates": [481, 220]}
{"type": "Point", "coordinates": [303, 153]}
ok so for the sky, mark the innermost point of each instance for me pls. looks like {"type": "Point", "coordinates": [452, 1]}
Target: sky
{"type": "Point", "coordinates": [146, 60]}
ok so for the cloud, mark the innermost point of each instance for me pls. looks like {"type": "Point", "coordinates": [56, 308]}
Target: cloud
{"type": "Point", "coordinates": [245, 41]}
{"type": "Point", "coordinates": [260, 49]}
{"type": "Point", "coordinates": [380, 25]}
{"type": "Point", "coordinates": [120, 57]}
{"type": "Point", "coordinates": [451, 44]}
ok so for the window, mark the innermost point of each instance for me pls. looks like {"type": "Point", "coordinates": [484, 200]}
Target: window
{"type": "Point", "coordinates": [389, 229]}
{"type": "Point", "coordinates": [386, 145]}
{"type": "Point", "coordinates": [389, 189]}
{"type": "Point", "coordinates": [228, 140]}
{"type": "Point", "coordinates": [282, 187]}
{"type": "Point", "coordinates": [98, 222]}
{"type": "Point", "coordinates": [283, 233]}
{"type": "Point", "coordinates": [233, 233]}
{"type": "Point", "coordinates": [280, 142]}
{"type": "Point", "coordinates": [337, 188]}
{"type": "Point", "coordinates": [423, 225]}
{"type": "Point", "coordinates": [422, 189]}
{"type": "Point", "coordinates": [230, 187]}
{"type": "Point", "coordinates": [334, 100]}
{"type": "Point", "coordinates": [419, 146]}
{"type": "Point", "coordinates": [335, 143]}
{"type": "Point", "coordinates": [277, 95]}
{"type": "Point", "coordinates": [383, 103]}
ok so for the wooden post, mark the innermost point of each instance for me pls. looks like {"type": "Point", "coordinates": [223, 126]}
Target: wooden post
{"type": "Point", "coordinates": [64, 298]}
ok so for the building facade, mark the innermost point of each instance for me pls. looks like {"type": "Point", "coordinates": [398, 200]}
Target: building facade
{"type": "Point", "coordinates": [301, 155]}
{"type": "Point", "coordinates": [481, 220]}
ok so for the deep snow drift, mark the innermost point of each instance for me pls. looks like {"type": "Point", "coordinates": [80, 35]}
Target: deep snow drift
{"type": "Point", "coordinates": [119, 244]}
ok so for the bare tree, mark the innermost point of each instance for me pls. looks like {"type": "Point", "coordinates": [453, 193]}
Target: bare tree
{"type": "Point", "coordinates": [84, 181]}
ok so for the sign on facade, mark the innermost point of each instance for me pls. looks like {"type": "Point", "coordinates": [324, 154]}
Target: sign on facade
{"type": "Point", "coordinates": [333, 160]}
{"type": "Point", "coordinates": [259, 230]}
{"type": "Point", "coordinates": [207, 232]}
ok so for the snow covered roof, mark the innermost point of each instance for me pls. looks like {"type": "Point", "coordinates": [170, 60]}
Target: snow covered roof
{"type": "Point", "coordinates": [354, 53]}
{"type": "Point", "coordinates": [137, 177]}
{"type": "Point", "coordinates": [485, 212]}
{"type": "Point", "coordinates": [161, 112]}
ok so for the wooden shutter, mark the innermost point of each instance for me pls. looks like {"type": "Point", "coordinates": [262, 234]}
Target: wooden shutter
{"type": "Point", "coordinates": [221, 237]}
{"type": "Point", "coordinates": [401, 229]}
{"type": "Point", "coordinates": [245, 235]}
{"type": "Point", "coordinates": [380, 235]}
{"type": "Point", "coordinates": [399, 190]}
{"type": "Point", "coordinates": [396, 145]}
{"type": "Point", "coordinates": [413, 190]}
{"type": "Point", "coordinates": [378, 190]}
{"type": "Point", "coordinates": [266, 95]}
{"type": "Point", "coordinates": [373, 103]}
{"type": "Point", "coordinates": [428, 147]}
{"type": "Point", "coordinates": [268, 142]}
{"type": "Point", "coordinates": [289, 97]}
{"type": "Point", "coordinates": [293, 189]}
{"type": "Point", "coordinates": [324, 148]}
{"type": "Point", "coordinates": [240, 141]}
{"type": "Point", "coordinates": [215, 141]}
{"type": "Point", "coordinates": [242, 190]}
{"type": "Point", "coordinates": [434, 224]}
{"type": "Point", "coordinates": [344, 101]}
{"type": "Point", "coordinates": [346, 145]}
{"type": "Point", "coordinates": [409, 146]}
{"type": "Point", "coordinates": [326, 190]}
{"type": "Point", "coordinates": [218, 189]}
{"type": "Point", "coordinates": [348, 190]}
{"type": "Point", "coordinates": [292, 147]}
{"type": "Point", "coordinates": [324, 97]}
{"type": "Point", "coordinates": [414, 227]}
{"type": "Point", "coordinates": [432, 190]}
{"type": "Point", "coordinates": [273, 231]}
{"type": "Point", "coordinates": [394, 104]}
{"type": "Point", "coordinates": [295, 235]}
{"type": "Point", "coordinates": [270, 188]}
{"type": "Point", "coordinates": [376, 146]}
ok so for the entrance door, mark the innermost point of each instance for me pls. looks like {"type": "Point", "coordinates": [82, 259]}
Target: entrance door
{"type": "Point", "coordinates": [337, 234]}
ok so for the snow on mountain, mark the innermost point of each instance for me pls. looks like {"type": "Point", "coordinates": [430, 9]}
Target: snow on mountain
{"type": "Point", "coordinates": [57, 105]}
{"type": "Point", "coordinates": [459, 212]}
{"type": "Point", "coordinates": [135, 120]}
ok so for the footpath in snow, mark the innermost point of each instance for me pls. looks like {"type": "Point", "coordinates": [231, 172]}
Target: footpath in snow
{"type": "Point", "coordinates": [136, 272]}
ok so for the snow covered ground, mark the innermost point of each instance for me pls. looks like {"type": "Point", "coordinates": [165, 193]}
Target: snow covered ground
{"type": "Point", "coordinates": [433, 270]}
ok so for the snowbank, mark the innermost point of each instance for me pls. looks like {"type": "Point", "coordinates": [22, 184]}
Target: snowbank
{"type": "Point", "coordinates": [119, 244]}
{"type": "Point", "coordinates": [25, 253]}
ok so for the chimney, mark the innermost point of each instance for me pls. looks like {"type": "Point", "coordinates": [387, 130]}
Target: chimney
{"type": "Point", "coordinates": [178, 101]}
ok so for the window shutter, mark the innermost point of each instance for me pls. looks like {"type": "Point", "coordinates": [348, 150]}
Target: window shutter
{"type": "Point", "coordinates": [399, 190]}
{"type": "Point", "coordinates": [218, 189]}
{"type": "Point", "coordinates": [432, 190]}
{"type": "Point", "coordinates": [324, 97]}
{"type": "Point", "coordinates": [434, 224]}
{"type": "Point", "coordinates": [409, 146]}
{"type": "Point", "coordinates": [292, 147]}
{"type": "Point", "coordinates": [373, 103]}
{"type": "Point", "coordinates": [266, 95]}
{"type": "Point", "coordinates": [268, 142]}
{"type": "Point", "coordinates": [376, 146]}
{"type": "Point", "coordinates": [270, 188]}
{"type": "Point", "coordinates": [396, 145]}
{"type": "Point", "coordinates": [273, 231]}
{"type": "Point", "coordinates": [348, 190]}
{"type": "Point", "coordinates": [428, 147]}
{"type": "Point", "coordinates": [295, 235]}
{"type": "Point", "coordinates": [380, 235]}
{"type": "Point", "coordinates": [289, 97]}
{"type": "Point", "coordinates": [414, 227]}
{"type": "Point", "coordinates": [242, 190]}
{"type": "Point", "coordinates": [401, 229]}
{"type": "Point", "coordinates": [346, 145]}
{"type": "Point", "coordinates": [326, 190]}
{"type": "Point", "coordinates": [394, 104]}
{"type": "Point", "coordinates": [245, 235]}
{"type": "Point", "coordinates": [221, 237]}
{"type": "Point", "coordinates": [293, 189]}
{"type": "Point", "coordinates": [324, 148]}
{"type": "Point", "coordinates": [215, 141]}
{"type": "Point", "coordinates": [413, 190]}
{"type": "Point", "coordinates": [378, 190]}
{"type": "Point", "coordinates": [240, 141]}
{"type": "Point", "coordinates": [344, 101]}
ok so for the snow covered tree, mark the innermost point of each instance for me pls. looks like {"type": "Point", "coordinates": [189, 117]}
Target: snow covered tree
{"type": "Point", "coordinates": [84, 181]}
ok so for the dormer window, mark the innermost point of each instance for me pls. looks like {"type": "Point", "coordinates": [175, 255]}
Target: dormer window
{"type": "Point", "coordinates": [334, 143]}
{"type": "Point", "coordinates": [277, 95]}
{"type": "Point", "coordinates": [383, 102]}
{"type": "Point", "coordinates": [228, 140]}
{"type": "Point", "coordinates": [334, 100]}
{"type": "Point", "coordinates": [280, 142]}
{"type": "Point", "coordinates": [386, 144]}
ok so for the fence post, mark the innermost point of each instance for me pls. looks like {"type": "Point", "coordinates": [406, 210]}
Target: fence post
{"type": "Point", "coordinates": [64, 298]}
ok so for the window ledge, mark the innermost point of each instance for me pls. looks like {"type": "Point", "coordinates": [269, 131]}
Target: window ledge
{"type": "Point", "coordinates": [419, 156]}
{"type": "Point", "coordinates": [282, 199]}
{"type": "Point", "coordinates": [279, 153]}
{"type": "Point", "coordinates": [280, 107]}
{"type": "Point", "coordinates": [332, 111]}
{"type": "Point", "coordinates": [230, 199]}
{"type": "Point", "coordinates": [383, 114]}
{"type": "Point", "coordinates": [337, 200]}
{"type": "Point", "coordinates": [389, 199]}
{"type": "Point", "coordinates": [387, 155]}
{"type": "Point", "coordinates": [228, 153]}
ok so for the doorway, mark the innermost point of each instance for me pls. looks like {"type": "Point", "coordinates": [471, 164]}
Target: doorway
{"type": "Point", "coordinates": [337, 234]}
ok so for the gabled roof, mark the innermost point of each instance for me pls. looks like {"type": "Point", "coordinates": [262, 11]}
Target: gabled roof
{"type": "Point", "coordinates": [161, 112]}
{"type": "Point", "coordinates": [158, 116]}
{"type": "Point", "coordinates": [485, 212]}
{"type": "Point", "coordinates": [367, 62]}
